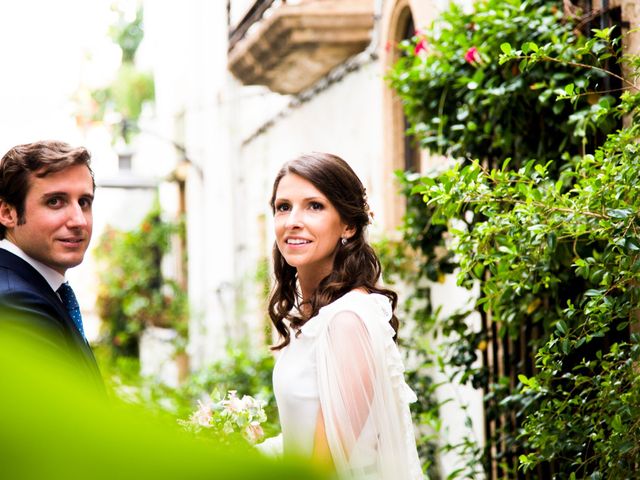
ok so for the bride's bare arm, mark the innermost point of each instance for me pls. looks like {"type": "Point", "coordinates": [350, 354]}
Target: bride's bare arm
{"type": "Point", "coordinates": [321, 450]}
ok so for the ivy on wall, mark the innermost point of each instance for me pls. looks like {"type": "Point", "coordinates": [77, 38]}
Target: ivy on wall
{"type": "Point", "coordinates": [462, 102]}
{"type": "Point", "coordinates": [540, 209]}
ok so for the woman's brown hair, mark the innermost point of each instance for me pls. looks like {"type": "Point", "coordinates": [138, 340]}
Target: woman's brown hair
{"type": "Point", "coordinates": [355, 265]}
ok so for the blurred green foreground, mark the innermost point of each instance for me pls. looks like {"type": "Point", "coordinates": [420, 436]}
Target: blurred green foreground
{"type": "Point", "coordinates": [54, 424]}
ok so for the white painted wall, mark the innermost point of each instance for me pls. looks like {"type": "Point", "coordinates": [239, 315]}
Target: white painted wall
{"type": "Point", "coordinates": [188, 42]}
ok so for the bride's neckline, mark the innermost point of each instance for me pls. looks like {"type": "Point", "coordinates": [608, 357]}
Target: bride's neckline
{"type": "Point", "coordinates": [358, 291]}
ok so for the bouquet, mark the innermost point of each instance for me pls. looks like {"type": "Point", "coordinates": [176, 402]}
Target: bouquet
{"type": "Point", "coordinates": [228, 417]}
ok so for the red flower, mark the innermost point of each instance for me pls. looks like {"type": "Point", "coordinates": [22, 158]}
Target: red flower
{"type": "Point", "coordinates": [472, 56]}
{"type": "Point", "coordinates": [421, 46]}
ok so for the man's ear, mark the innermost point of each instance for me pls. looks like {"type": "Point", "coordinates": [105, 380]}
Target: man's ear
{"type": "Point", "coordinates": [8, 214]}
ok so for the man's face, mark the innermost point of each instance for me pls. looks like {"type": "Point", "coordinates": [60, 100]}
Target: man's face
{"type": "Point", "coordinates": [58, 218]}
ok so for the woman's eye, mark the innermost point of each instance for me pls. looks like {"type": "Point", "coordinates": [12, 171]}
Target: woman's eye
{"type": "Point", "coordinates": [53, 202]}
{"type": "Point", "coordinates": [316, 206]}
{"type": "Point", "coordinates": [283, 207]}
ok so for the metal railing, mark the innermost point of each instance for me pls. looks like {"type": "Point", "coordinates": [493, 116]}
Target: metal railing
{"type": "Point", "coordinates": [253, 16]}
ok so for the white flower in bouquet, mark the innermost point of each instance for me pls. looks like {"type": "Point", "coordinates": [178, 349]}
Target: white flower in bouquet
{"type": "Point", "coordinates": [253, 432]}
{"type": "Point", "coordinates": [233, 404]}
{"type": "Point", "coordinates": [203, 415]}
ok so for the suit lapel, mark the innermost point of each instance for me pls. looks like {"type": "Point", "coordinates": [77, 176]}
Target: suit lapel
{"type": "Point", "coordinates": [41, 287]}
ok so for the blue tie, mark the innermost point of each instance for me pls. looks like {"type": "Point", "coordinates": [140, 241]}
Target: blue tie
{"type": "Point", "coordinates": [71, 304]}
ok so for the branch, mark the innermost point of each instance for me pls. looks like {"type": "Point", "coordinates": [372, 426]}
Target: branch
{"type": "Point", "coordinates": [541, 205]}
{"type": "Point", "coordinates": [577, 64]}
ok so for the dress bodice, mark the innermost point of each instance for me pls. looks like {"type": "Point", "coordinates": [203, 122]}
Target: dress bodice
{"type": "Point", "coordinates": [296, 390]}
{"type": "Point", "coordinates": [344, 362]}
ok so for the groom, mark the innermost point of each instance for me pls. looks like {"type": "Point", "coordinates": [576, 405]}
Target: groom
{"type": "Point", "coordinates": [46, 196]}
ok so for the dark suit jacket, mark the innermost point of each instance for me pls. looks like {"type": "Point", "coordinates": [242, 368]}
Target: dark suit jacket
{"type": "Point", "coordinates": [28, 303]}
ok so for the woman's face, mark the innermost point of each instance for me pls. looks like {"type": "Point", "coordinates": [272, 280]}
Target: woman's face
{"type": "Point", "coordinates": [308, 227]}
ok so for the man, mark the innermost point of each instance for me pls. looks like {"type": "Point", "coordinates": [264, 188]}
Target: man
{"type": "Point", "coordinates": [46, 196]}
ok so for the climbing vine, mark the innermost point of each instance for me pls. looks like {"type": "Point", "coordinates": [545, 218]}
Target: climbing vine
{"type": "Point", "coordinates": [539, 210]}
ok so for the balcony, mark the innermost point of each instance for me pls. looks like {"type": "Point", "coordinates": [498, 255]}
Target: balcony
{"type": "Point", "coordinates": [289, 46]}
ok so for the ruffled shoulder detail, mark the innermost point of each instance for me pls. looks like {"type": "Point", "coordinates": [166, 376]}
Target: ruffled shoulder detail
{"type": "Point", "coordinates": [376, 311]}
{"type": "Point", "coordinates": [393, 357]}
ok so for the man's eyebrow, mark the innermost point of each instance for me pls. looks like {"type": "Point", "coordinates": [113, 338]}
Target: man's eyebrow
{"type": "Point", "coordinates": [54, 194]}
{"type": "Point", "coordinates": [64, 194]}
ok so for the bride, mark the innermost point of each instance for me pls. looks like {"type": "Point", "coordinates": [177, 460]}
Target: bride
{"type": "Point", "coordinates": [338, 379]}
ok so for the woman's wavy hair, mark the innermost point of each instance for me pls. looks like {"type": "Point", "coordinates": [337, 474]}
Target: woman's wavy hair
{"type": "Point", "coordinates": [355, 265]}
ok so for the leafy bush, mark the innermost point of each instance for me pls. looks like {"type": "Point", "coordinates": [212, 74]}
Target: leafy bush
{"type": "Point", "coordinates": [586, 390]}
{"type": "Point", "coordinates": [133, 292]}
{"type": "Point", "coordinates": [542, 219]}
{"type": "Point", "coordinates": [461, 102]}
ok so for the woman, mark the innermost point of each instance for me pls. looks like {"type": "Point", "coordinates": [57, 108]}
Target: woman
{"type": "Point", "coordinates": [338, 379]}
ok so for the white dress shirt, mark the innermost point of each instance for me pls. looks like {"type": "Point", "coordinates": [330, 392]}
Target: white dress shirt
{"type": "Point", "coordinates": [53, 278]}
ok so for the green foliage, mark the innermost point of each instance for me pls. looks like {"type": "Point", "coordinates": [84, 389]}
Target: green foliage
{"type": "Point", "coordinates": [127, 34]}
{"type": "Point", "coordinates": [417, 261]}
{"type": "Point", "coordinates": [130, 90]}
{"type": "Point", "coordinates": [133, 292]}
{"type": "Point", "coordinates": [49, 410]}
{"type": "Point", "coordinates": [249, 372]}
{"type": "Point", "coordinates": [126, 95]}
{"type": "Point", "coordinates": [460, 101]}
{"type": "Point", "coordinates": [262, 279]}
{"type": "Point", "coordinates": [545, 221]}
{"type": "Point", "coordinates": [578, 250]}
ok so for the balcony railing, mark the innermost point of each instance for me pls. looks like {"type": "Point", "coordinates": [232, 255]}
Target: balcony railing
{"type": "Point", "coordinates": [253, 16]}
{"type": "Point", "coordinates": [288, 46]}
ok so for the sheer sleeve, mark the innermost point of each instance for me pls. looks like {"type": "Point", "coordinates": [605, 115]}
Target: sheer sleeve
{"type": "Point", "coordinates": [364, 411]}
{"type": "Point", "coordinates": [346, 377]}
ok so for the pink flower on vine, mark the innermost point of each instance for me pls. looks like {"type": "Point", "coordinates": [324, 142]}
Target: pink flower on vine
{"type": "Point", "coordinates": [472, 56]}
{"type": "Point", "coordinates": [421, 47]}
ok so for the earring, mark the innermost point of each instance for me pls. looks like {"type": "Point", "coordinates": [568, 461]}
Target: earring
{"type": "Point", "coordinates": [343, 241]}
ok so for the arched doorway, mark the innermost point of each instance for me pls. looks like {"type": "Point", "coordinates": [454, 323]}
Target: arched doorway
{"type": "Point", "coordinates": [401, 152]}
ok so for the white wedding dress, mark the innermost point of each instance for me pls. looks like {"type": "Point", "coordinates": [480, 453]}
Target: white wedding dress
{"type": "Point", "coordinates": [345, 362]}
